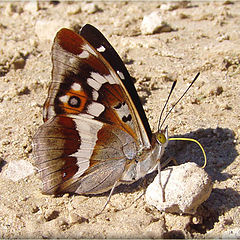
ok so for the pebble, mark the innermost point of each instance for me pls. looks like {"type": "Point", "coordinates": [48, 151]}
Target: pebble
{"type": "Point", "coordinates": [12, 8]}
{"type": "Point", "coordinates": [51, 214]}
{"type": "Point", "coordinates": [185, 187]}
{"type": "Point", "coordinates": [73, 9]}
{"type": "Point", "coordinates": [17, 170]}
{"type": "Point", "coordinates": [75, 218]}
{"type": "Point", "coordinates": [227, 2]}
{"type": "Point", "coordinates": [154, 23]}
{"type": "Point", "coordinates": [233, 233]}
{"type": "Point", "coordinates": [183, 16]}
{"type": "Point", "coordinates": [31, 7]}
{"type": "Point", "coordinates": [90, 8]}
{"type": "Point", "coordinates": [24, 90]}
{"type": "Point", "coordinates": [223, 37]}
{"type": "Point", "coordinates": [19, 63]}
{"type": "Point", "coordinates": [234, 35]}
{"type": "Point", "coordinates": [47, 29]}
{"type": "Point", "coordinates": [169, 6]}
{"type": "Point", "coordinates": [216, 91]}
{"type": "Point", "coordinates": [155, 230]}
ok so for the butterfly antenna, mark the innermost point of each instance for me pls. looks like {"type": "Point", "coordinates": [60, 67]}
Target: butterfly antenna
{"type": "Point", "coordinates": [170, 93]}
{"type": "Point", "coordinates": [177, 100]}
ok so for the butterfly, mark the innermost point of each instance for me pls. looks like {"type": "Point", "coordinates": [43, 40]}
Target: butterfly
{"type": "Point", "coordinates": [95, 134]}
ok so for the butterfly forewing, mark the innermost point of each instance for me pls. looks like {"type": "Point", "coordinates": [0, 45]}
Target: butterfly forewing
{"type": "Point", "coordinates": [98, 41]}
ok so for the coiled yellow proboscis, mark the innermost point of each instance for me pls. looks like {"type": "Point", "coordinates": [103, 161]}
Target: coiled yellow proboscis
{"type": "Point", "coordinates": [193, 140]}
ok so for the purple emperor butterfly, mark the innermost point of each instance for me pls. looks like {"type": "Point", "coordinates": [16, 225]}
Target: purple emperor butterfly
{"type": "Point", "coordinates": [95, 134]}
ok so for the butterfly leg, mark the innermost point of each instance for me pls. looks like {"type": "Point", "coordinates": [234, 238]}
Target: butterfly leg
{"type": "Point", "coordinates": [160, 167]}
{"type": "Point", "coordinates": [108, 199]}
{"type": "Point", "coordinates": [160, 181]}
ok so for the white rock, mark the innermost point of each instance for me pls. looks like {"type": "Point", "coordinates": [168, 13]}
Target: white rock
{"type": "Point", "coordinates": [153, 23]}
{"type": "Point", "coordinates": [10, 9]}
{"type": "Point", "coordinates": [185, 187]}
{"type": "Point", "coordinates": [169, 6]}
{"type": "Point", "coordinates": [31, 7]}
{"type": "Point", "coordinates": [13, 8]}
{"type": "Point", "coordinates": [90, 7]}
{"type": "Point", "coordinates": [73, 9]}
{"type": "Point", "coordinates": [47, 29]}
{"type": "Point", "coordinates": [233, 233]}
{"type": "Point", "coordinates": [223, 37]}
{"type": "Point", "coordinates": [17, 170]}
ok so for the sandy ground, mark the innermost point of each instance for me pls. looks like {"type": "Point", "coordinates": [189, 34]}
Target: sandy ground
{"type": "Point", "coordinates": [205, 38]}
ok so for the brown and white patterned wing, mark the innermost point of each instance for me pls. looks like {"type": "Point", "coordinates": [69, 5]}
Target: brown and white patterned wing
{"type": "Point", "coordinates": [92, 128]}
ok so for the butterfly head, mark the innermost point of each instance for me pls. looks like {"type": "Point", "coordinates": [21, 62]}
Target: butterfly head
{"type": "Point", "coordinates": [162, 136]}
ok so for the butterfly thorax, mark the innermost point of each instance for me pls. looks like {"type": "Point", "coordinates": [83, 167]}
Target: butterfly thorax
{"type": "Point", "coordinates": [146, 160]}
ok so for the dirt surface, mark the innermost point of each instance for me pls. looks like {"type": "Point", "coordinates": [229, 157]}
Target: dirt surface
{"type": "Point", "coordinates": [205, 38]}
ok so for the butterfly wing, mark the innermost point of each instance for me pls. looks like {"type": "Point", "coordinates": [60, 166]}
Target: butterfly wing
{"type": "Point", "coordinates": [93, 127]}
{"type": "Point", "coordinates": [98, 41]}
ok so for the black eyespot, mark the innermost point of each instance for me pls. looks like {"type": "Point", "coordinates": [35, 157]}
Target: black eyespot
{"type": "Point", "coordinates": [128, 118]}
{"type": "Point", "coordinates": [74, 102]}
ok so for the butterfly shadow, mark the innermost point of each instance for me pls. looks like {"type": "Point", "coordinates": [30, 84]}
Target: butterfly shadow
{"type": "Point", "coordinates": [220, 147]}
{"type": "Point", "coordinates": [218, 144]}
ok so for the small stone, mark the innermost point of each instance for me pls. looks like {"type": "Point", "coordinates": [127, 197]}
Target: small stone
{"type": "Point", "coordinates": [223, 37]}
{"type": "Point", "coordinates": [31, 7]}
{"type": "Point", "coordinates": [216, 92]}
{"type": "Point", "coordinates": [12, 8]}
{"type": "Point", "coordinates": [75, 218]}
{"type": "Point", "coordinates": [180, 223]}
{"type": "Point", "coordinates": [54, 2]}
{"type": "Point", "coordinates": [155, 230]}
{"type": "Point", "coordinates": [5, 142]}
{"type": "Point", "coordinates": [234, 35]}
{"type": "Point", "coordinates": [225, 106]}
{"type": "Point", "coordinates": [90, 8]}
{"type": "Point", "coordinates": [47, 29]}
{"type": "Point", "coordinates": [183, 16]}
{"type": "Point", "coordinates": [19, 63]}
{"type": "Point", "coordinates": [51, 214]}
{"type": "Point", "coordinates": [62, 223]}
{"type": "Point", "coordinates": [17, 170]}
{"type": "Point", "coordinates": [24, 90]}
{"type": "Point", "coordinates": [35, 208]}
{"type": "Point", "coordinates": [219, 90]}
{"type": "Point", "coordinates": [73, 9]}
{"type": "Point", "coordinates": [33, 42]}
{"type": "Point", "coordinates": [153, 23]}
{"type": "Point", "coordinates": [185, 187]}
{"type": "Point", "coordinates": [227, 2]}
{"type": "Point", "coordinates": [169, 6]}
{"type": "Point", "coordinates": [233, 233]}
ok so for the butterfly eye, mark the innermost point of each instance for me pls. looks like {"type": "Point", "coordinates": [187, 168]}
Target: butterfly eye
{"type": "Point", "coordinates": [161, 138]}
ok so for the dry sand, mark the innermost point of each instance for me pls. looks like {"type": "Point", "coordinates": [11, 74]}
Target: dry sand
{"type": "Point", "coordinates": [206, 38]}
